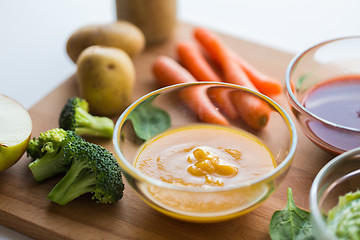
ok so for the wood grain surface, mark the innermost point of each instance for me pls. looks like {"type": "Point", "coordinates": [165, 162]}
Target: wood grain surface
{"type": "Point", "coordinates": [23, 203]}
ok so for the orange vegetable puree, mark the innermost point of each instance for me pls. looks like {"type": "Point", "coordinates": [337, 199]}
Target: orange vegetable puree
{"type": "Point", "coordinates": [205, 156]}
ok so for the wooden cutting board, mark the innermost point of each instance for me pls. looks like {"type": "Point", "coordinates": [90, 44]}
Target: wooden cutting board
{"type": "Point", "coordinates": [23, 203]}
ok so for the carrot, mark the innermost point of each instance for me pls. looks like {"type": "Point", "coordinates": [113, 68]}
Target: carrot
{"type": "Point", "coordinates": [221, 98]}
{"type": "Point", "coordinates": [194, 61]}
{"type": "Point", "coordinates": [219, 52]}
{"type": "Point", "coordinates": [201, 105]}
{"type": "Point", "coordinates": [168, 72]}
{"type": "Point", "coordinates": [292, 86]}
{"type": "Point", "coordinates": [262, 82]}
{"type": "Point", "coordinates": [252, 110]}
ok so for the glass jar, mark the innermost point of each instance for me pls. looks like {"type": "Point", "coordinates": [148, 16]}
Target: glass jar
{"type": "Point", "coordinates": [156, 18]}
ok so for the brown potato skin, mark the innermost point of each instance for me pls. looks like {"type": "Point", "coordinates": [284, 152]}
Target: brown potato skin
{"type": "Point", "coordinates": [119, 34]}
{"type": "Point", "coordinates": [106, 78]}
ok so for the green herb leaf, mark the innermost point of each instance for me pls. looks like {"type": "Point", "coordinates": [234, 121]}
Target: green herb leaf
{"type": "Point", "coordinates": [291, 223]}
{"type": "Point", "coordinates": [343, 219]}
{"type": "Point", "coordinates": [300, 81]}
{"type": "Point", "coordinates": [149, 120]}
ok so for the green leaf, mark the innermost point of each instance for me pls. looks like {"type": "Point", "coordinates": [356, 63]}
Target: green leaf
{"type": "Point", "coordinates": [300, 81]}
{"type": "Point", "coordinates": [343, 219]}
{"type": "Point", "coordinates": [291, 223]}
{"type": "Point", "coordinates": [149, 120]}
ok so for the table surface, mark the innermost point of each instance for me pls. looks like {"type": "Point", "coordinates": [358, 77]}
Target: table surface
{"type": "Point", "coordinates": [34, 33]}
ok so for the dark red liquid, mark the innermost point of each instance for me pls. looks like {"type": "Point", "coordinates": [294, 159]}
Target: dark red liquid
{"type": "Point", "coordinates": [338, 101]}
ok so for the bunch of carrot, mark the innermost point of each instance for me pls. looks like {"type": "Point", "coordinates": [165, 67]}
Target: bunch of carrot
{"type": "Point", "coordinates": [195, 67]}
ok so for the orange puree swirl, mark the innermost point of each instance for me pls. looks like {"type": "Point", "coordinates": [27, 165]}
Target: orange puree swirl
{"type": "Point", "coordinates": [204, 156]}
{"type": "Point", "coordinates": [208, 166]}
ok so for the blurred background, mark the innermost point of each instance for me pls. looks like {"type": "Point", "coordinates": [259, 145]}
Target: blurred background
{"type": "Point", "coordinates": [33, 60]}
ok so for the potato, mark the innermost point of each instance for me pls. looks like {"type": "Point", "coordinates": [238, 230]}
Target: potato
{"type": "Point", "coordinates": [106, 78]}
{"type": "Point", "coordinates": [119, 34]}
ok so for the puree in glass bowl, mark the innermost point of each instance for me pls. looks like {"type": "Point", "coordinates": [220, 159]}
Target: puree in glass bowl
{"type": "Point", "coordinates": [205, 156]}
{"type": "Point", "coordinates": [344, 219]}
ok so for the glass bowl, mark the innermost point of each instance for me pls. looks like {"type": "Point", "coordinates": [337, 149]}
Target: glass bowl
{"type": "Point", "coordinates": [339, 176]}
{"type": "Point", "coordinates": [203, 203]}
{"type": "Point", "coordinates": [317, 66]}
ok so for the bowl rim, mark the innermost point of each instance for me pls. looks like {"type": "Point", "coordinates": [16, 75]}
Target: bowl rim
{"type": "Point", "coordinates": [293, 63]}
{"type": "Point", "coordinates": [137, 174]}
{"type": "Point", "coordinates": [314, 206]}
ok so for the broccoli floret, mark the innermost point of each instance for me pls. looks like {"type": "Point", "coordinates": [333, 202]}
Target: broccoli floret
{"type": "Point", "coordinates": [93, 170]}
{"type": "Point", "coordinates": [33, 150]}
{"type": "Point", "coordinates": [47, 150]}
{"type": "Point", "coordinates": [75, 116]}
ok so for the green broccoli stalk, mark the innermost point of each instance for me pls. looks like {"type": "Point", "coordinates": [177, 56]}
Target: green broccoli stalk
{"type": "Point", "coordinates": [47, 150]}
{"type": "Point", "coordinates": [93, 170]}
{"type": "Point", "coordinates": [75, 116]}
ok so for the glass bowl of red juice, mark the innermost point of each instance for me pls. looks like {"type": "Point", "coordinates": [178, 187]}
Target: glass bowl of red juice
{"type": "Point", "coordinates": [323, 89]}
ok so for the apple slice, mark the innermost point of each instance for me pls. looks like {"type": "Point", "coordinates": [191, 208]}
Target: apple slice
{"type": "Point", "coordinates": [15, 131]}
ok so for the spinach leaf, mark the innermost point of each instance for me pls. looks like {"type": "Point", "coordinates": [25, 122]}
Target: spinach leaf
{"type": "Point", "coordinates": [291, 223]}
{"type": "Point", "coordinates": [300, 81]}
{"type": "Point", "coordinates": [149, 120]}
